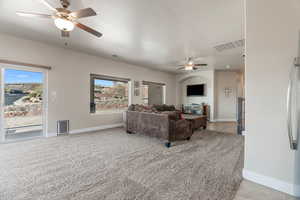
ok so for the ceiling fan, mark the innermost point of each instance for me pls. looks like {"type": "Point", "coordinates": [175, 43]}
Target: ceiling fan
{"type": "Point", "coordinates": [191, 65]}
{"type": "Point", "coordinates": [64, 19]}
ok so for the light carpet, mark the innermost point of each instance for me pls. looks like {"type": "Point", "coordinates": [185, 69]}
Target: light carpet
{"type": "Point", "coordinates": [116, 166]}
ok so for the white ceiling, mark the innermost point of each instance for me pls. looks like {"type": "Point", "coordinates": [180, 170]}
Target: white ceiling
{"type": "Point", "coordinates": [151, 33]}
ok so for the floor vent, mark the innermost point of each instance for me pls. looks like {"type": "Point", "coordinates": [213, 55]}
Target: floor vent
{"type": "Point", "coordinates": [62, 127]}
{"type": "Point", "coordinates": [230, 45]}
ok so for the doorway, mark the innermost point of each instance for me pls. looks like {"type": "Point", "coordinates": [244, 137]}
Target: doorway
{"type": "Point", "coordinates": [22, 103]}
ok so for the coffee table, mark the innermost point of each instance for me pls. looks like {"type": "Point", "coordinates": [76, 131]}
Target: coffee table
{"type": "Point", "coordinates": [196, 121]}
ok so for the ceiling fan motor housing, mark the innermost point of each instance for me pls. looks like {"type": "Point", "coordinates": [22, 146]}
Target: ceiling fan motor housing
{"type": "Point", "coordinates": [65, 3]}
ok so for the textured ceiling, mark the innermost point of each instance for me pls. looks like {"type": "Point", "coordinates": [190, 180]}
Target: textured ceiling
{"type": "Point", "coordinates": [156, 33]}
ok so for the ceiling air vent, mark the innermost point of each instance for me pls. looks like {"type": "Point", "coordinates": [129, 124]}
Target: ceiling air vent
{"type": "Point", "coordinates": [230, 45]}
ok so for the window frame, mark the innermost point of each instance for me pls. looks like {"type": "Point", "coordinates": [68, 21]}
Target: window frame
{"type": "Point", "coordinates": [94, 77]}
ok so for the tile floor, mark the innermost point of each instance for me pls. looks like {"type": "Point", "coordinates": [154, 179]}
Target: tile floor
{"type": "Point", "coordinates": [226, 127]}
{"type": "Point", "coordinates": [252, 191]}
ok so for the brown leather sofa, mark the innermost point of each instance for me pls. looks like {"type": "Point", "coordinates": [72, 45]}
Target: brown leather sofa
{"type": "Point", "coordinates": [163, 124]}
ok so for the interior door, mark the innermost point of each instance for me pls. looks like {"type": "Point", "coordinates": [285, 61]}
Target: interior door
{"type": "Point", "coordinates": [22, 103]}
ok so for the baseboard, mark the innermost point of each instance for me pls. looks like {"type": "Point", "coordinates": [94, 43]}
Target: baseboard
{"type": "Point", "coordinates": [273, 183]}
{"type": "Point", "coordinates": [225, 120]}
{"type": "Point", "coordinates": [51, 135]}
{"type": "Point", "coordinates": [97, 128]}
{"type": "Point", "coordinates": [91, 129]}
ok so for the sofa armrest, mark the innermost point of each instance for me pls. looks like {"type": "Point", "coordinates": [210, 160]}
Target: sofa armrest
{"type": "Point", "coordinates": [182, 123]}
{"type": "Point", "coordinates": [180, 129]}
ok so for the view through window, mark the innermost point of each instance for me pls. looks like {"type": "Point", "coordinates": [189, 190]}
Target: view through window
{"type": "Point", "coordinates": [108, 95]}
{"type": "Point", "coordinates": [23, 91]}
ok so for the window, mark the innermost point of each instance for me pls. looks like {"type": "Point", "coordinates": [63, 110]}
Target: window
{"type": "Point", "coordinates": [145, 94]}
{"type": "Point", "coordinates": [108, 94]}
{"type": "Point", "coordinates": [153, 93]}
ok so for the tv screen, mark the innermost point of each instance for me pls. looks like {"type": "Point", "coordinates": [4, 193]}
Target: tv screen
{"type": "Point", "coordinates": [195, 90]}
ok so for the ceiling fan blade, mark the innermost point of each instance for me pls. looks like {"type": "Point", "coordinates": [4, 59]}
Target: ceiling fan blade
{"type": "Point", "coordinates": [88, 29]}
{"type": "Point", "coordinates": [48, 5]}
{"type": "Point", "coordinates": [200, 65]}
{"type": "Point", "coordinates": [181, 68]}
{"type": "Point", "coordinates": [198, 58]}
{"type": "Point", "coordinates": [86, 12]}
{"type": "Point", "coordinates": [65, 33]}
{"type": "Point", "coordinates": [30, 14]}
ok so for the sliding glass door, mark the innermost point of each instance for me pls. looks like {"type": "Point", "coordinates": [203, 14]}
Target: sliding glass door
{"type": "Point", "coordinates": [22, 103]}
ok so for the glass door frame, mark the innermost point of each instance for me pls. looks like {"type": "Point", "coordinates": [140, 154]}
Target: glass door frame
{"type": "Point", "coordinates": [3, 67]}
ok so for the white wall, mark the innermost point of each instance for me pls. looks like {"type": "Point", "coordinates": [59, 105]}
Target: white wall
{"type": "Point", "coordinates": [199, 77]}
{"type": "Point", "coordinates": [271, 44]}
{"type": "Point", "coordinates": [69, 78]}
{"type": "Point", "coordinates": [225, 107]}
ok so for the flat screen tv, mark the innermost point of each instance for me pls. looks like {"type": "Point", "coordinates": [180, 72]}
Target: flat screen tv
{"type": "Point", "coordinates": [195, 90]}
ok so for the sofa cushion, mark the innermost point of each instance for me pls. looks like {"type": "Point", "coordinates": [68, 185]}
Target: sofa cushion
{"type": "Point", "coordinates": [164, 107]}
{"type": "Point", "coordinates": [170, 107]}
{"type": "Point", "coordinates": [131, 107]}
{"type": "Point", "coordinates": [141, 108]}
{"type": "Point", "coordinates": [151, 108]}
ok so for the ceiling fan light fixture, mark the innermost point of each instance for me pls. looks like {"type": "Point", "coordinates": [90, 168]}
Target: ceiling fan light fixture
{"type": "Point", "coordinates": [188, 67]}
{"type": "Point", "coordinates": [64, 24]}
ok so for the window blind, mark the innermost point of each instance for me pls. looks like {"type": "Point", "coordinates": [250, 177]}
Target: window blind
{"type": "Point", "coordinates": [152, 83]}
{"type": "Point", "coordinates": [24, 64]}
{"type": "Point", "coordinates": [109, 78]}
